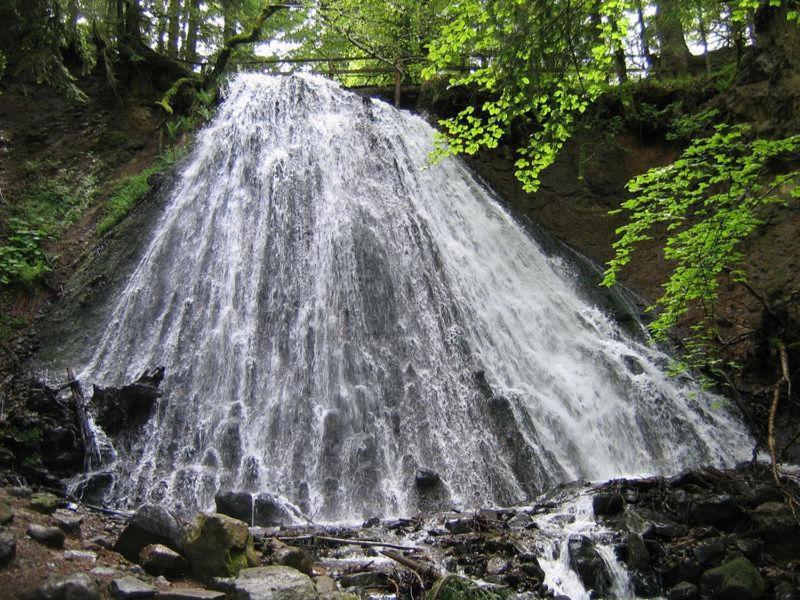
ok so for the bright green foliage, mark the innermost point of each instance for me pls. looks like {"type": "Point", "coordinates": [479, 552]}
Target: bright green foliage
{"type": "Point", "coordinates": [708, 201]}
{"type": "Point", "coordinates": [22, 259]}
{"type": "Point", "coordinates": [132, 189]}
{"type": "Point", "coordinates": [547, 64]}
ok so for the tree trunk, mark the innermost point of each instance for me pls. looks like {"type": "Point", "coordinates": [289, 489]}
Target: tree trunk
{"type": "Point", "coordinates": [133, 18]}
{"type": "Point", "coordinates": [228, 19]}
{"type": "Point", "coordinates": [173, 27]}
{"type": "Point", "coordinates": [161, 25]}
{"type": "Point", "coordinates": [646, 51]}
{"type": "Point", "coordinates": [704, 38]}
{"type": "Point", "coordinates": [673, 52]}
{"type": "Point", "coordinates": [192, 30]}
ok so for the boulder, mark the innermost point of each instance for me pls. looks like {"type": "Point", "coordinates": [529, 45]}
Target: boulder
{"type": "Point", "coordinates": [721, 511]}
{"type": "Point", "coordinates": [68, 523]}
{"type": "Point", "coordinates": [8, 547]}
{"type": "Point", "coordinates": [271, 583]}
{"type": "Point", "coordinates": [130, 406]}
{"type": "Point", "coordinates": [6, 514]}
{"type": "Point", "coordinates": [49, 536]}
{"type": "Point", "coordinates": [19, 491]}
{"type": "Point", "coordinates": [157, 559]}
{"type": "Point", "coordinates": [291, 556]}
{"type": "Point", "coordinates": [496, 566]}
{"type": "Point", "coordinates": [589, 565]}
{"type": "Point", "coordinates": [737, 579]}
{"type": "Point", "coordinates": [684, 591]}
{"type": "Point", "coordinates": [218, 545]}
{"type": "Point", "coordinates": [606, 504]}
{"type": "Point", "coordinates": [43, 503]}
{"type": "Point", "coordinates": [460, 525]}
{"type": "Point", "coordinates": [130, 588]}
{"type": "Point", "coordinates": [365, 580]}
{"type": "Point", "coordinates": [269, 510]}
{"type": "Point", "coordinates": [452, 587]}
{"type": "Point", "coordinates": [75, 587]}
{"type": "Point", "coordinates": [710, 553]}
{"type": "Point", "coordinates": [150, 525]}
{"type": "Point", "coordinates": [238, 505]}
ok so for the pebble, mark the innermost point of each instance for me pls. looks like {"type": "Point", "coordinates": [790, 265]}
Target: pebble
{"type": "Point", "coordinates": [86, 555]}
{"type": "Point", "coordinates": [75, 587]}
{"type": "Point", "coordinates": [129, 588]}
{"type": "Point", "coordinates": [103, 572]}
{"type": "Point", "coordinates": [8, 547]}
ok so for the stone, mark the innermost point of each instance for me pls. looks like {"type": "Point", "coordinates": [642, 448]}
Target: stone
{"type": "Point", "coordinates": [606, 504]}
{"type": "Point", "coordinates": [638, 554]}
{"type": "Point", "coordinates": [521, 521]}
{"type": "Point", "coordinates": [324, 584]}
{"type": "Point", "coordinates": [426, 478]}
{"type": "Point", "coordinates": [102, 541]}
{"type": "Point", "coordinates": [710, 553]}
{"type": "Point", "coordinates": [218, 545]}
{"type": "Point", "coordinates": [70, 524]}
{"type": "Point", "coordinates": [717, 510]}
{"type": "Point", "coordinates": [737, 579]}
{"type": "Point", "coordinates": [496, 566]}
{"type": "Point", "coordinates": [586, 561]}
{"type": "Point", "coordinates": [684, 591]}
{"type": "Point", "coordinates": [78, 586]}
{"type": "Point", "coordinates": [366, 580]}
{"type": "Point", "coordinates": [84, 555]}
{"type": "Point", "coordinates": [291, 556]}
{"type": "Point", "coordinates": [460, 525]}
{"type": "Point", "coordinates": [775, 524]}
{"type": "Point", "coordinates": [452, 586]}
{"type": "Point", "coordinates": [103, 572]}
{"type": "Point", "coordinates": [6, 514]}
{"type": "Point", "coordinates": [270, 511]}
{"type": "Point", "coordinates": [49, 536]}
{"type": "Point", "coordinates": [150, 525]}
{"type": "Point", "coordinates": [238, 505]}
{"type": "Point", "coordinates": [191, 594]}
{"type": "Point", "coordinates": [44, 503]}
{"type": "Point", "coordinates": [130, 588]}
{"type": "Point", "coordinates": [271, 583]}
{"type": "Point", "coordinates": [157, 559]}
{"type": "Point", "coordinates": [8, 547]}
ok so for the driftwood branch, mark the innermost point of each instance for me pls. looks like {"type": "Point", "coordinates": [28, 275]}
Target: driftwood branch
{"type": "Point", "coordinates": [420, 568]}
{"type": "Point", "coordinates": [354, 542]}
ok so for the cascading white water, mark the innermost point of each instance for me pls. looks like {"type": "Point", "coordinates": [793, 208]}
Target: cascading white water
{"type": "Point", "coordinates": [322, 302]}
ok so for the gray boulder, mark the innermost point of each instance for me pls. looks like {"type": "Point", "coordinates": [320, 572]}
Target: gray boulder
{"type": "Point", "coordinates": [684, 591]}
{"type": "Point", "coordinates": [157, 559]}
{"type": "Point", "coordinates": [238, 505]}
{"type": "Point", "coordinates": [150, 525]}
{"type": "Point", "coordinates": [44, 503]}
{"type": "Point", "coordinates": [291, 556]}
{"type": "Point", "coordinates": [68, 523]}
{"type": "Point", "coordinates": [271, 583]}
{"type": "Point", "coordinates": [130, 588]}
{"type": "Point", "coordinates": [589, 565]}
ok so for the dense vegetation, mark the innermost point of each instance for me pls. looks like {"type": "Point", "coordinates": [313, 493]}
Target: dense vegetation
{"type": "Point", "coordinates": [533, 70]}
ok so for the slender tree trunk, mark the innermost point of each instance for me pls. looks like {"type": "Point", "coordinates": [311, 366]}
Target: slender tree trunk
{"type": "Point", "coordinates": [704, 38]}
{"type": "Point", "coordinates": [648, 54]}
{"type": "Point", "coordinates": [673, 52]}
{"type": "Point", "coordinates": [120, 4]}
{"type": "Point", "coordinates": [192, 30]}
{"type": "Point", "coordinates": [228, 19]}
{"type": "Point", "coordinates": [133, 18]}
{"type": "Point", "coordinates": [161, 29]}
{"type": "Point", "coordinates": [173, 26]}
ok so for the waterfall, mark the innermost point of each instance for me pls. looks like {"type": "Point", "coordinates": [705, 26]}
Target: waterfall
{"type": "Point", "coordinates": [335, 314]}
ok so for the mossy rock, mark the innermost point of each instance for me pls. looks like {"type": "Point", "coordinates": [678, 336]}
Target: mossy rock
{"type": "Point", "coordinates": [219, 546]}
{"type": "Point", "coordinates": [44, 503]}
{"type": "Point", "coordinates": [737, 579]}
{"type": "Point", "coordinates": [453, 587]}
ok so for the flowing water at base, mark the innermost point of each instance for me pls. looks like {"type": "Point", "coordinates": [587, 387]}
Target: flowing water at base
{"type": "Point", "coordinates": [325, 303]}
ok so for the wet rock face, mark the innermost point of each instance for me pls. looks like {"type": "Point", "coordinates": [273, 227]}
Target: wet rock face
{"type": "Point", "coordinates": [128, 407]}
{"type": "Point", "coordinates": [586, 561]}
{"type": "Point", "coordinates": [271, 583]}
{"type": "Point", "coordinates": [238, 505]}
